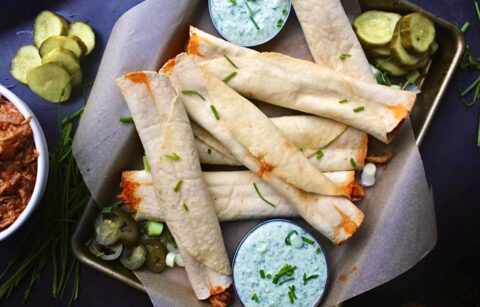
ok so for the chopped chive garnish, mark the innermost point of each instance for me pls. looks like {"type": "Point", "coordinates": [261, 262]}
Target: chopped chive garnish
{"type": "Point", "coordinates": [301, 149]}
{"type": "Point", "coordinates": [287, 270]}
{"type": "Point", "coordinates": [146, 165]}
{"type": "Point", "coordinates": [307, 240]}
{"type": "Point", "coordinates": [214, 111]}
{"type": "Point", "coordinates": [126, 119]}
{"type": "Point", "coordinates": [209, 151]}
{"type": "Point", "coordinates": [359, 109]}
{"type": "Point", "coordinates": [229, 76]}
{"type": "Point", "coordinates": [173, 156]}
{"type": "Point", "coordinates": [470, 88]}
{"type": "Point", "coordinates": [343, 101]}
{"type": "Point", "coordinates": [306, 279]}
{"type": "Point", "coordinates": [284, 12]}
{"type": "Point", "coordinates": [287, 238]}
{"type": "Point", "coordinates": [269, 276]}
{"type": "Point", "coordinates": [185, 207]}
{"type": "Point", "coordinates": [254, 22]}
{"type": "Point", "coordinates": [319, 154]}
{"type": "Point", "coordinates": [234, 2]}
{"type": "Point", "coordinates": [352, 162]}
{"type": "Point", "coordinates": [465, 27]}
{"type": "Point", "coordinates": [262, 274]}
{"type": "Point", "coordinates": [291, 294]}
{"type": "Point", "coordinates": [255, 297]}
{"type": "Point", "coordinates": [279, 23]}
{"type": "Point", "coordinates": [178, 186]}
{"type": "Point", "coordinates": [261, 196]}
{"type": "Point", "coordinates": [192, 92]}
{"type": "Point", "coordinates": [290, 297]}
{"type": "Point", "coordinates": [230, 61]}
{"type": "Point", "coordinates": [249, 9]}
{"type": "Point", "coordinates": [344, 56]}
{"type": "Point", "coordinates": [318, 250]}
{"type": "Point", "coordinates": [286, 280]}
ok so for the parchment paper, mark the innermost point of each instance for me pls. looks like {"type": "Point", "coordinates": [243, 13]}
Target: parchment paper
{"type": "Point", "coordinates": [399, 228]}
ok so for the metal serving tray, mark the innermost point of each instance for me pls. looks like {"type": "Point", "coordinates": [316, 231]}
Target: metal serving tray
{"type": "Point", "coordinates": [433, 87]}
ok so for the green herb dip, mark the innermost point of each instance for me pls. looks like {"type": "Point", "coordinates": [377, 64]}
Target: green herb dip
{"type": "Point", "coordinates": [264, 254]}
{"type": "Point", "coordinates": [249, 22]}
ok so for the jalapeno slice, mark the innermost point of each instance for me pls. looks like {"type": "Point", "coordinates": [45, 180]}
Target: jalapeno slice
{"type": "Point", "coordinates": [107, 231]}
{"type": "Point", "coordinates": [156, 254]}
{"type": "Point", "coordinates": [129, 232]}
{"type": "Point", "coordinates": [105, 252]}
{"type": "Point", "coordinates": [134, 258]}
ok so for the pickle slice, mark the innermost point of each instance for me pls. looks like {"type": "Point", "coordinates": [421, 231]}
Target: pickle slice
{"type": "Point", "coordinates": [26, 58]}
{"type": "Point", "coordinates": [391, 67]}
{"type": "Point", "coordinates": [417, 32]}
{"type": "Point", "coordinates": [50, 81]}
{"type": "Point", "coordinates": [382, 52]}
{"type": "Point", "coordinates": [71, 43]}
{"type": "Point", "coordinates": [48, 24]}
{"type": "Point", "coordinates": [85, 33]}
{"type": "Point", "coordinates": [401, 55]}
{"type": "Point", "coordinates": [68, 60]}
{"type": "Point", "coordinates": [375, 28]}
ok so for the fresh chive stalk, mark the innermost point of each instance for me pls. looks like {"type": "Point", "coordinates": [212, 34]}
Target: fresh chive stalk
{"type": "Point", "coordinates": [254, 22]}
{"type": "Point", "coordinates": [465, 27]}
{"type": "Point", "coordinates": [126, 119]}
{"type": "Point", "coordinates": [178, 186]}
{"type": "Point", "coordinates": [173, 156]}
{"type": "Point", "coordinates": [192, 92]}
{"type": "Point", "coordinates": [307, 240]}
{"type": "Point", "coordinates": [214, 111]}
{"type": "Point", "coordinates": [344, 56]}
{"type": "Point", "coordinates": [146, 165]}
{"type": "Point", "coordinates": [343, 101]}
{"type": "Point", "coordinates": [185, 207]}
{"type": "Point", "coordinates": [229, 76]}
{"type": "Point", "coordinates": [230, 61]}
{"type": "Point", "coordinates": [261, 196]}
{"type": "Point", "coordinates": [319, 154]}
{"type": "Point", "coordinates": [359, 109]}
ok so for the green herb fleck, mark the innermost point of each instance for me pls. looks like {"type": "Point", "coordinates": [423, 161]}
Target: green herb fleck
{"type": "Point", "coordinates": [359, 109]}
{"type": "Point", "coordinates": [307, 240]}
{"type": "Point", "coordinates": [286, 280]}
{"type": "Point", "coordinates": [291, 294]}
{"type": "Point", "coordinates": [234, 2]}
{"type": "Point", "coordinates": [280, 23]}
{"type": "Point", "coordinates": [185, 207]}
{"type": "Point", "coordinates": [146, 165]}
{"type": "Point", "coordinates": [178, 186]}
{"type": "Point", "coordinates": [344, 56]}
{"type": "Point", "coordinates": [173, 156]}
{"type": "Point", "coordinates": [262, 274]}
{"type": "Point", "coordinates": [352, 162]}
{"type": "Point", "coordinates": [249, 9]}
{"type": "Point", "coordinates": [230, 61]}
{"type": "Point", "coordinates": [319, 154]}
{"type": "Point", "coordinates": [261, 196]}
{"type": "Point", "coordinates": [343, 101]}
{"type": "Point", "coordinates": [229, 76]}
{"type": "Point", "coordinates": [255, 297]}
{"type": "Point", "coordinates": [287, 238]}
{"type": "Point", "coordinates": [286, 270]}
{"type": "Point", "coordinates": [209, 151]}
{"type": "Point", "coordinates": [254, 22]}
{"type": "Point", "coordinates": [126, 119]}
{"type": "Point", "coordinates": [284, 12]}
{"type": "Point", "coordinates": [214, 111]}
{"type": "Point", "coordinates": [318, 250]}
{"type": "Point", "coordinates": [465, 27]}
{"type": "Point", "coordinates": [269, 276]}
{"type": "Point", "coordinates": [192, 92]}
{"type": "Point", "coordinates": [306, 279]}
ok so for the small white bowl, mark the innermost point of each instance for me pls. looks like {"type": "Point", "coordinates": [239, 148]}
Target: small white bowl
{"type": "Point", "coordinates": [42, 162]}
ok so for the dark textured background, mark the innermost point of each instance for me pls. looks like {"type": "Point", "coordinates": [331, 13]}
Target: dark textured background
{"type": "Point", "coordinates": [449, 275]}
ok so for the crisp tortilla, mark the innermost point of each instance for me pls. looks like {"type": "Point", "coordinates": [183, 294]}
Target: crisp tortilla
{"type": "Point", "coordinates": [233, 194]}
{"type": "Point", "coordinates": [329, 34]}
{"type": "Point", "coordinates": [247, 133]}
{"type": "Point", "coordinates": [308, 87]}
{"type": "Point", "coordinates": [164, 128]}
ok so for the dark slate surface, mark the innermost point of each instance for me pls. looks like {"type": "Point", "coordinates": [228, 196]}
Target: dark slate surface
{"type": "Point", "coordinates": [451, 158]}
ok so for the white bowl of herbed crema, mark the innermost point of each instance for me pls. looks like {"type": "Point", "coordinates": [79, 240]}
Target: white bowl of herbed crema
{"type": "Point", "coordinates": [249, 23]}
{"type": "Point", "coordinates": [278, 263]}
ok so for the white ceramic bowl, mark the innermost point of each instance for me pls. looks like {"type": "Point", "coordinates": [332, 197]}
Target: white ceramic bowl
{"type": "Point", "coordinates": [42, 163]}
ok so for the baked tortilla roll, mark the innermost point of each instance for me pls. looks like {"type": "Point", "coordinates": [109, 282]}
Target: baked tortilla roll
{"type": "Point", "coordinates": [255, 141]}
{"type": "Point", "coordinates": [305, 86]}
{"type": "Point", "coordinates": [165, 132]}
{"type": "Point", "coordinates": [329, 34]}
{"type": "Point", "coordinates": [234, 196]}
{"type": "Point", "coordinates": [311, 134]}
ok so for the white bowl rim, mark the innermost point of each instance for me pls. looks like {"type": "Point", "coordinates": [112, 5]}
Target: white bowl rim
{"type": "Point", "coordinates": [42, 162]}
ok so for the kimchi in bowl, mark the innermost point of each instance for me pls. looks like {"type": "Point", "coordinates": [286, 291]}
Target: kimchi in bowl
{"type": "Point", "coordinates": [41, 153]}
